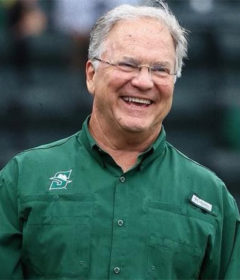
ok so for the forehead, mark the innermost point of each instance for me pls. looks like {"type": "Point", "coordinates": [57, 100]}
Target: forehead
{"type": "Point", "coordinates": [145, 37]}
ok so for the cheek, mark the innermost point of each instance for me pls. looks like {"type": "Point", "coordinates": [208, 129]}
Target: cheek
{"type": "Point", "coordinates": [100, 85]}
{"type": "Point", "coordinates": [166, 92]}
{"type": "Point", "coordinates": [105, 92]}
{"type": "Point", "coordinates": [117, 82]}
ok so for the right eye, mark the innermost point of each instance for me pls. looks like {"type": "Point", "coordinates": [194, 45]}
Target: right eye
{"type": "Point", "coordinates": [125, 66]}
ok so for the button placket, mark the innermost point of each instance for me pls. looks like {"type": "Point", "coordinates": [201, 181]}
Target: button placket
{"type": "Point", "coordinates": [118, 253]}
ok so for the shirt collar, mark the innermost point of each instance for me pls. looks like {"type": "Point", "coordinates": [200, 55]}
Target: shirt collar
{"type": "Point", "coordinates": [85, 137]}
{"type": "Point", "coordinates": [154, 151]}
{"type": "Point", "coordinates": [151, 153]}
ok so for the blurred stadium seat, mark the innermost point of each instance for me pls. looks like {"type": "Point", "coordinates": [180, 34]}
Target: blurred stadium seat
{"type": "Point", "coordinates": [52, 101]}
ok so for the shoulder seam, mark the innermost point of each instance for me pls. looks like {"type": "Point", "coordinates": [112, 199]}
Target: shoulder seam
{"type": "Point", "coordinates": [50, 145]}
{"type": "Point", "coordinates": [193, 161]}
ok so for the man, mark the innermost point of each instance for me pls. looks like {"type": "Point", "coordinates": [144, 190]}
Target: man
{"type": "Point", "coordinates": [116, 201]}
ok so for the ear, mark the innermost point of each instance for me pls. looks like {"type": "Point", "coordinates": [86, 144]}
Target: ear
{"type": "Point", "coordinates": [90, 72]}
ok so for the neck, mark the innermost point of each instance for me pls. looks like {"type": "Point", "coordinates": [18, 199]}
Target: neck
{"type": "Point", "coordinates": [123, 146]}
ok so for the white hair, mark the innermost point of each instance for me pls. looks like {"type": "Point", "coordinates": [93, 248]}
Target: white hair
{"type": "Point", "coordinates": [162, 13]}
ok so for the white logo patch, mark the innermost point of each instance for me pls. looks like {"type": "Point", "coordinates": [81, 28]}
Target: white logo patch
{"type": "Point", "coordinates": [201, 203]}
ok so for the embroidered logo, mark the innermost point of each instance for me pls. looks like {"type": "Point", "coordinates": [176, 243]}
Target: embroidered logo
{"type": "Point", "coordinates": [60, 180]}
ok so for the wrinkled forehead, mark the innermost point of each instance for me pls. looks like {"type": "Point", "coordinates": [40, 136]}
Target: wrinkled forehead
{"type": "Point", "coordinates": [144, 35]}
{"type": "Point", "coordinates": [141, 25]}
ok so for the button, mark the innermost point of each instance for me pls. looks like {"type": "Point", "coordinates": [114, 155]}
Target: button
{"type": "Point", "coordinates": [116, 270]}
{"type": "Point", "coordinates": [122, 179]}
{"type": "Point", "coordinates": [120, 222]}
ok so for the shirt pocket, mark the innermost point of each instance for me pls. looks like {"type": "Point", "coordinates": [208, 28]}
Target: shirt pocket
{"type": "Point", "coordinates": [176, 242]}
{"type": "Point", "coordinates": [56, 235]}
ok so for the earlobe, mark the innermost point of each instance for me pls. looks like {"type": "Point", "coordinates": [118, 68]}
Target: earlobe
{"type": "Point", "coordinates": [90, 72]}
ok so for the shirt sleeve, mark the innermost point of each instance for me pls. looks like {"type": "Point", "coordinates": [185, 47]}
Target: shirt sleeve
{"type": "Point", "coordinates": [233, 267]}
{"type": "Point", "coordinates": [10, 232]}
{"type": "Point", "coordinates": [222, 260]}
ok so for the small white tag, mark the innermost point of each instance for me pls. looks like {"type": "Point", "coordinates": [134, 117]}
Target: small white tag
{"type": "Point", "coordinates": [201, 203]}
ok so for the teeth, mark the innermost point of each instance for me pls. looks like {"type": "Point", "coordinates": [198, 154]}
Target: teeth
{"type": "Point", "coordinates": [137, 100]}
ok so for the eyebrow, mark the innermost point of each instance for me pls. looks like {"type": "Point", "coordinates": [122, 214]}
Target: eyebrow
{"type": "Point", "coordinates": [136, 61]}
{"type": "Point", "coordinates": [131, 59]}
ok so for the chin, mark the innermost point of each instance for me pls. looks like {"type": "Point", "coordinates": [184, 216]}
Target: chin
{"type": "Point", "coordinates": [135, 127]}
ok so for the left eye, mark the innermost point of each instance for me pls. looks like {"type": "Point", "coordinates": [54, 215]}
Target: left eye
{"type": "Point", "coordinates": [159, 69]}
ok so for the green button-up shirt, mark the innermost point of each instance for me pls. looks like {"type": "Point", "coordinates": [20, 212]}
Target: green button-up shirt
{"type": "Point", "coordinates": [67, 211]}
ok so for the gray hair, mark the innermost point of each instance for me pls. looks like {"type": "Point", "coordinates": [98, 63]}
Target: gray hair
{"type": "Point", "coordinates": [162, 13]}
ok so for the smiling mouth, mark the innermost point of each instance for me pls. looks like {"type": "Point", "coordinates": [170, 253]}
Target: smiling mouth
{"type": "Point", "coordinates": [137, 101]}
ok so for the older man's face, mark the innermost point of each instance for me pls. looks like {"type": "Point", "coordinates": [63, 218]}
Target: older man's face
{"type": "Point", "coordinates": [134, 101]}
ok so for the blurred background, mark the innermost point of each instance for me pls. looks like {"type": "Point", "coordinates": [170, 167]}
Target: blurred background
{"type": "Point", "coordinates": [43, 49]}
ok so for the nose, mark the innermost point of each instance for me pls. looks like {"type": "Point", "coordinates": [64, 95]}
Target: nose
{"type": "Point", "coordinates": [143, 79]}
